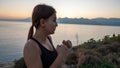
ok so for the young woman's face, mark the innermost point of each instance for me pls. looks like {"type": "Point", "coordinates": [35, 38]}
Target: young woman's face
{"type": "Point", "coordinates": [51, 24]}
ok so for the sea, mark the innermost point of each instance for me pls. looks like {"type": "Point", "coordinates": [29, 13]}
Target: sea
{"type": "Point", "coordinates": [13, 36]}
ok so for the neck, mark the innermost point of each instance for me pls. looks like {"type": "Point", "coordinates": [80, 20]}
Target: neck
{"type": "Point", "coordinates": [40, 36]}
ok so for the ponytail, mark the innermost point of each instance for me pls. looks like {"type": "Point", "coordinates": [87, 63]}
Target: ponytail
{"type": "Point", "coordinates": [31, 31]}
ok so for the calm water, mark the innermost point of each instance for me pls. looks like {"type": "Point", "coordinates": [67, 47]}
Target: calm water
{"type": "Point", "coordinates": [13, 36]}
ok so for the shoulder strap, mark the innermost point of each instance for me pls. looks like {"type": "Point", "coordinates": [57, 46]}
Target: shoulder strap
{"type": "Point", "coordinates": [40, 45]}
{"type": "Point", "coordinates": [51, 42]}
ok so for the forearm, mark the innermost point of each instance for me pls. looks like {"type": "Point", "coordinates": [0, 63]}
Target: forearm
{"type": "Point", "coordinates": [62, 51]}
{"type": "Point", "coordinates": [57, 63]}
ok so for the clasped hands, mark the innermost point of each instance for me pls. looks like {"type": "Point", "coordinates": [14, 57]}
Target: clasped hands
{"type": "Point", "coordinates": [64, 47]}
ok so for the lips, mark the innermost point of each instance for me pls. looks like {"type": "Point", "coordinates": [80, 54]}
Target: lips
{"type": "Point", "coordinates": [54, 28]}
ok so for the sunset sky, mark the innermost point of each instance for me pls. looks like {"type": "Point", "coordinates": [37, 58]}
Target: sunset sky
{"type": "Point", "coordinates": [64, 8]}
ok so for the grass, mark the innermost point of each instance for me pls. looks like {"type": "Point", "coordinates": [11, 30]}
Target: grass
{"type": "Point", "coordinates": [102, 53]}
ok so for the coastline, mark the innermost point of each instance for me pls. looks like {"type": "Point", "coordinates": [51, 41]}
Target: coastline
{"type": "Point", "coordinates": [6, 64]}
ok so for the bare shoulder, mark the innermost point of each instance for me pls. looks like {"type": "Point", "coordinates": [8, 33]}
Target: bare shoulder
{"type": "Point", "coordinates": [30, 43]}
{"type": "Point", "coordinates": [31, 46]}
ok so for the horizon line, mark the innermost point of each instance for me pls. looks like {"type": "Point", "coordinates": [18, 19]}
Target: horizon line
{"type": "Point", "coordinates": [62, 17]}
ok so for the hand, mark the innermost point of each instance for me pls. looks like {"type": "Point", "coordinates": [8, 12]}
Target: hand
{"type": "Point", "coordinates": [67, 43]}
{"type": "Point", "coordinates": [62, 50]}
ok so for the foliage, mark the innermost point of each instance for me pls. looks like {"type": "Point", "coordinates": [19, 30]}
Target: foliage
{"type": "Point", "coordinates": [20, 63]}
{"type": "Point", "coordinates": [71, 59]}
{"type": "Point", "coordinates": [102, 53]}
{"type": "Point", "coordinates": [97, 65]}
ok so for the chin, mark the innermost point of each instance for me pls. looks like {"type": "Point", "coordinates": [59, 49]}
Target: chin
{"type": "Point", "coordinates": [52, 33]}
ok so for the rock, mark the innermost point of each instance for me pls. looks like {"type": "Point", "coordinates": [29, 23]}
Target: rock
{"type": "Point", "coordinates": [6, 64]}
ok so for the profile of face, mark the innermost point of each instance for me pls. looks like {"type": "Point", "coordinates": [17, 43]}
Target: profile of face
{"type": "Point", "coordinates": [50, 24]}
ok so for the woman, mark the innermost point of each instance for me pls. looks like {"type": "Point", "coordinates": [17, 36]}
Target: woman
{"type": "Point", "coordinates": [39, 51]}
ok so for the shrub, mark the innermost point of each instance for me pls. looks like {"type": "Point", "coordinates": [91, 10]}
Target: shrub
{"type": "Point", "coordinates": [20, 63]}
{"type": "Point", "coordinates": [71, 59]}
{"type": "Point", "coordinates": [98, 65]}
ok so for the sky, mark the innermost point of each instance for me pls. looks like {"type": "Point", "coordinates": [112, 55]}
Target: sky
{"type": "Point", "coordinates": [64, 8]}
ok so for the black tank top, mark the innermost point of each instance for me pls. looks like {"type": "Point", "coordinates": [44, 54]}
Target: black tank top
{"type": "Point", "coordinates": [47, 56]}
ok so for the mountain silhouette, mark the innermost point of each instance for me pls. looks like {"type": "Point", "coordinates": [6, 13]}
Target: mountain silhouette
{"type": "Point", "coordinates": [66, 20]}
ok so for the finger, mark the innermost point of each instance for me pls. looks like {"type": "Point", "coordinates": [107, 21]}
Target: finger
{"type": "Point", "coordinates": [58, 46]}
{"type": "Point", "coordinates": [66, 48]}
{"type": "Point", "coordinates": [69, 44]}
{"type": "Point", "coordinates": [68, 41]}
{"type": "Point", "coordinates": [63, 42]}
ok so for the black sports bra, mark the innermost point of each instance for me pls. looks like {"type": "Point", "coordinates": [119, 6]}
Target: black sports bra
{"type": "Point", "coordinates": [47, 56]}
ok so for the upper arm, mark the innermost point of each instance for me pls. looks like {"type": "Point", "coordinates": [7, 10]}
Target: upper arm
{"type": "Point", "coordinates": [32, 55]}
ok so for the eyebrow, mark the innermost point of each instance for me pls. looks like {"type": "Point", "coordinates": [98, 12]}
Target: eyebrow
{"type": "Point", "coordinates": [54, 17]}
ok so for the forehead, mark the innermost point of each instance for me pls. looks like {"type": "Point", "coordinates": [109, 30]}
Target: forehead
{"type": "Point", "coordinates": [53, 15]}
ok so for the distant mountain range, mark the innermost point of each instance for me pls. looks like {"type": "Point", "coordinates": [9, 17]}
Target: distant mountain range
{"type": "Point", "coordinates": [94, 21]}
{"type": "Point", "coordinates": [24, 20]}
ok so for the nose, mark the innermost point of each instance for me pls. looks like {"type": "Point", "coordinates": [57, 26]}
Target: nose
{"type": "Point", "coordinates": [56, 24]}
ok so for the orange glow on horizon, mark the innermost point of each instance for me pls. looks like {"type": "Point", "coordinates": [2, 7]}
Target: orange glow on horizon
{"type": "Point", "coordinates": [71, 9]}
{"type": "Point", "coordinates": [22, 15]}
{"type": "Point", "coordinates": [14, 15]}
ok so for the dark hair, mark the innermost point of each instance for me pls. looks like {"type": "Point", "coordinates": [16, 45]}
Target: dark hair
{"type": "Point", "coordinates": [40, 11]}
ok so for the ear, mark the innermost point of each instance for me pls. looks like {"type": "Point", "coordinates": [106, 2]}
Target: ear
{"type": "Point", "coordinates": [42, 22]}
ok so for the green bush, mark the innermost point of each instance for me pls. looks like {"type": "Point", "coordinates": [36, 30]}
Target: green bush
{"type": "Point", "coordinates": [98, 65]}
{"type": "Point", "coordinates": [71, 59]}
{"type": "Point", "coordinates": [20, 63]}
{"type": "Point", "coordinates": [103, 53]}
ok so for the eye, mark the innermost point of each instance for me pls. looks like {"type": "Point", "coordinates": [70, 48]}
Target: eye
{"type": "Point", "coordinates": [54, 20]}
